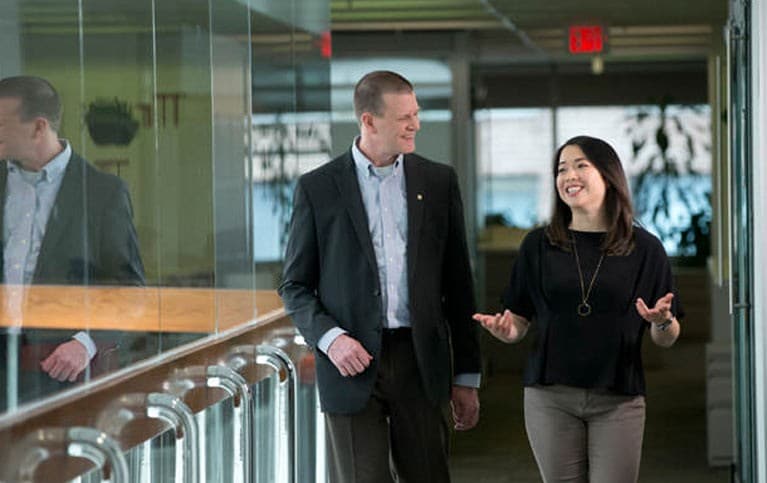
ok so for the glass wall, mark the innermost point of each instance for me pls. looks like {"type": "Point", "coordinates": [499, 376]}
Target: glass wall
{"type": "Point", "coordinates": [184, 125]}
{"type": "Point", "coordinates": [665, 150]}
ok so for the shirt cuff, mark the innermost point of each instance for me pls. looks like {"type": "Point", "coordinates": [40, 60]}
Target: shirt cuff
{"type": "Point", "coordinates": [469, 379]}
{"type": "Point", "coordinates": [324, 343]}
{"type": "Point", "coordinates": [86, 341]}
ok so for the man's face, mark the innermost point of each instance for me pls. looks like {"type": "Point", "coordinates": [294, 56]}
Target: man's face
{"type": "Point", "coordinates": [17, 137]}
{"type": "Point", "coordinates": [397, 124]}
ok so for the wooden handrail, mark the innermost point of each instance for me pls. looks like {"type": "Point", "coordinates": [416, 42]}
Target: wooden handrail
{"type": "Point", "coordinates": [145, 309]}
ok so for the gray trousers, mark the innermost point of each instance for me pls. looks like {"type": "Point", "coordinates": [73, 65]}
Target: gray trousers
{"type": "Point", "coordinates": [399, 436]}
{"type": "Point", "coordinates": [584, 435]}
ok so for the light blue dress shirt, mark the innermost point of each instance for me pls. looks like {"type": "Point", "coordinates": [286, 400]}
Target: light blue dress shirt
{"type": "Point", "coordinates": [30, 198]}
{"type": "Point", "coordinates": [385, 199]}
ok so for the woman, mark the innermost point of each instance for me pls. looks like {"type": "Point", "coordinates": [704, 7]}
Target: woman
{"type": "Point", "coordinates": [592, 282]}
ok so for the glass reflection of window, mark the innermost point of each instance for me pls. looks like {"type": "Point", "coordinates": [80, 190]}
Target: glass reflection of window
{"type": "Point", "coordinates": [283, 147]}
{"type": "Point", "coordinates": [669, 169]}
{"type": "Point", "coordinates": [666, 152]}
{"type": "Point", "coordinates": [514, 152]}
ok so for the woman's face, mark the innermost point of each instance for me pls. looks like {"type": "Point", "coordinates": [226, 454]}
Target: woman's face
{"type": "Point", "coordinates": [579, 184]}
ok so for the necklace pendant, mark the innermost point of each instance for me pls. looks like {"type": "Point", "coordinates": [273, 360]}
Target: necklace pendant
{"type": "Point", "coordinates": [584, 309]}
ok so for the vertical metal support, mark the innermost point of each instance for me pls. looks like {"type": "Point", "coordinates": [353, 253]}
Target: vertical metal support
{"type": "Point", "coordinates": [11, 369]}
{"type": "Point", "coordinates": [80, 442]}
{"type": "Point", "coordinates": [94, 445]}
{"type": "Point", "coordinates": [277, 359]}
{"type": "Point", "coordinates": [165, 407]}
{"type": "Point", "coordinates": [321, 472]}
{"type": "Point", "coordinates": [174, 411]}
{"type": "Point", "coordinates": [236, 386]}
{"type": "Point", "coordinates": [226, 378]}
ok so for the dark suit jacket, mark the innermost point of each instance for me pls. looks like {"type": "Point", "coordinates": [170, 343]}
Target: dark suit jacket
{"type": "Point", "coordinates": [89, 240]}
{"type": "Point", "coordinates": [331, 277]}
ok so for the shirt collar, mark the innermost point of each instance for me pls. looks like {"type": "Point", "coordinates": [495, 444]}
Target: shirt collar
{"type": "Point", "coordinates": [365, 165]}
{"type": "Point", "coordinates": [55, 168]}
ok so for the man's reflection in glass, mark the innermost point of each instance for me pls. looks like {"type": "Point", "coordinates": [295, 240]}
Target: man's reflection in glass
{"type": "Point", "coordinates": [63, 222]}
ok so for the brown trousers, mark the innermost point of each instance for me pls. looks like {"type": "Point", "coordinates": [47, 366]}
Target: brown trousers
{"type": "Point", "coordinates": [584, 435]}
{"type": "Point", "coordinates": [399, 436]}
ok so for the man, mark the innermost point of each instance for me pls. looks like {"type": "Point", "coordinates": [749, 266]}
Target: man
{"type": "Point", "coordinates": [377, 278]}
{"type": "Point", "coordinates": [62, 221]}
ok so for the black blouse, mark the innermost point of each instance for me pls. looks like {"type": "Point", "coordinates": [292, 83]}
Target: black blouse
{"type": "Point", "coordinates": [603, 349]}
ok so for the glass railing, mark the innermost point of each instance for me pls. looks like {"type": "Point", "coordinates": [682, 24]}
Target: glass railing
{"type": "Point", "coordinates": [243, 409]}
{"type": "Point", "coordinates": [186, 124]}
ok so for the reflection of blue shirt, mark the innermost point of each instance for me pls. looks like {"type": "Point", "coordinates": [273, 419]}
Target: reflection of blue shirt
{"type": "Point", "coordinates": [30, 197]}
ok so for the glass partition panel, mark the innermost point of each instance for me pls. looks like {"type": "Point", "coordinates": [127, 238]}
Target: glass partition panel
{"type": "Point", "coordinates": [71, 254]}
{"type": "Point", "coordinates": [513, 172]}
{"type": "Point", "coordinates": [190, 121]}
{"type": "Point", "coordinates": [665, 150]}
{"type": "Point", "coordinates": [272, 133]}
{"type": "Point", "coordinates": [312, 47]}
{"type": "Point", "coordinates": [741, 242]}
{"type": "Point", "coordinates": [234, 269]}
{"type": "Point", "coordinates": [116, 80]}
{"type": "Point", "coordinates": [268, 447]}
{"type": "Point", "coordinates": [180, 218]}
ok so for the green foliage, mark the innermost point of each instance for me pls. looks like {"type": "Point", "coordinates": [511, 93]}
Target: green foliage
{"type": "Point", "coordinates": [110, 121]}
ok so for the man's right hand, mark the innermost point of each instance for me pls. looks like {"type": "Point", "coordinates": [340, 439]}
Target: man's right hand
{"type": "Point", "coordinates": [67, 361]}
{"type": "Point", "coordinates": [348, 355]}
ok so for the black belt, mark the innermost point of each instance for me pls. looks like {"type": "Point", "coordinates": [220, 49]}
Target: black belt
{"type": "Point", "coordinates": [399, 332]}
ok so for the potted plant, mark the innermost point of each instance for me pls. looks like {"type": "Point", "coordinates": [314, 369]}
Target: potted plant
{"type": "Point", "coordinates": [110, 121]}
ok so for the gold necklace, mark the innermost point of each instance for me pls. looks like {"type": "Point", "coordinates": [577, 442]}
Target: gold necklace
{"type": "Point", "coordinates": [584, 308]}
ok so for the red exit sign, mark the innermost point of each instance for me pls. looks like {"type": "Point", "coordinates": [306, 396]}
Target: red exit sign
{"type": "Point", "coordinates": [586, 39]}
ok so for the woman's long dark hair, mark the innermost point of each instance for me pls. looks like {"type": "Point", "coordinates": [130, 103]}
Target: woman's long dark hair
{"type": "Point", "coordinates": [620, 214]}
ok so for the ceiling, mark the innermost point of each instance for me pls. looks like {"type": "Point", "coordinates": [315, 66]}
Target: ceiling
{"type": "Point", "coordinates": [519, 30]}
{"type": "Point", "coordinates": [635, 29]}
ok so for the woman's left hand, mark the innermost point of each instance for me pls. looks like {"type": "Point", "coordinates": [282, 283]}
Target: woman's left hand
{"type": "Point", "coordinates": [658, 314]}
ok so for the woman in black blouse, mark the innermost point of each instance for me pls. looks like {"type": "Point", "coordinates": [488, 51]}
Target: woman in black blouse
{"type": "Point", "coordinates": [592, 282]}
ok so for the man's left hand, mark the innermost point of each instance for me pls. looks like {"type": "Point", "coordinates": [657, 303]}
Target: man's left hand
{"type": "Point", "coordinates": [465, 404]}
{"type": "Point", "coordinates": [67, 361]}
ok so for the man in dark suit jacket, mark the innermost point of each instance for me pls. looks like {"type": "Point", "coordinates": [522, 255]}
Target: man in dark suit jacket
{"type": "Point", "coordinates": [81, 230]}
{"type": "Point", "coordinates": [377, 279]}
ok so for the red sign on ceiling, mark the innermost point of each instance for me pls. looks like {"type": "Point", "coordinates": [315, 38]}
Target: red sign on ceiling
{"type": "Point", "coordinates": [586, 39]}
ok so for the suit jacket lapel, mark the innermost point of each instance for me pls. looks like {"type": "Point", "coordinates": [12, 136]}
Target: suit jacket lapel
{"type": "Point", "coordinates": [415, 184]}
{"type": "Point", "coordinates": [349, 189]}
{"type": "Point", "coordinates": [69, 203]}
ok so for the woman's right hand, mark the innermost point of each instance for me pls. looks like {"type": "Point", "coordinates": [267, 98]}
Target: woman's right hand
{"type": "Point", "coordinates": [502, 326]}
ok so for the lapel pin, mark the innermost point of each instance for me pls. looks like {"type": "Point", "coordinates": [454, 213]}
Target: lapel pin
{"type": "Point", "coordinates": [419, 196]}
